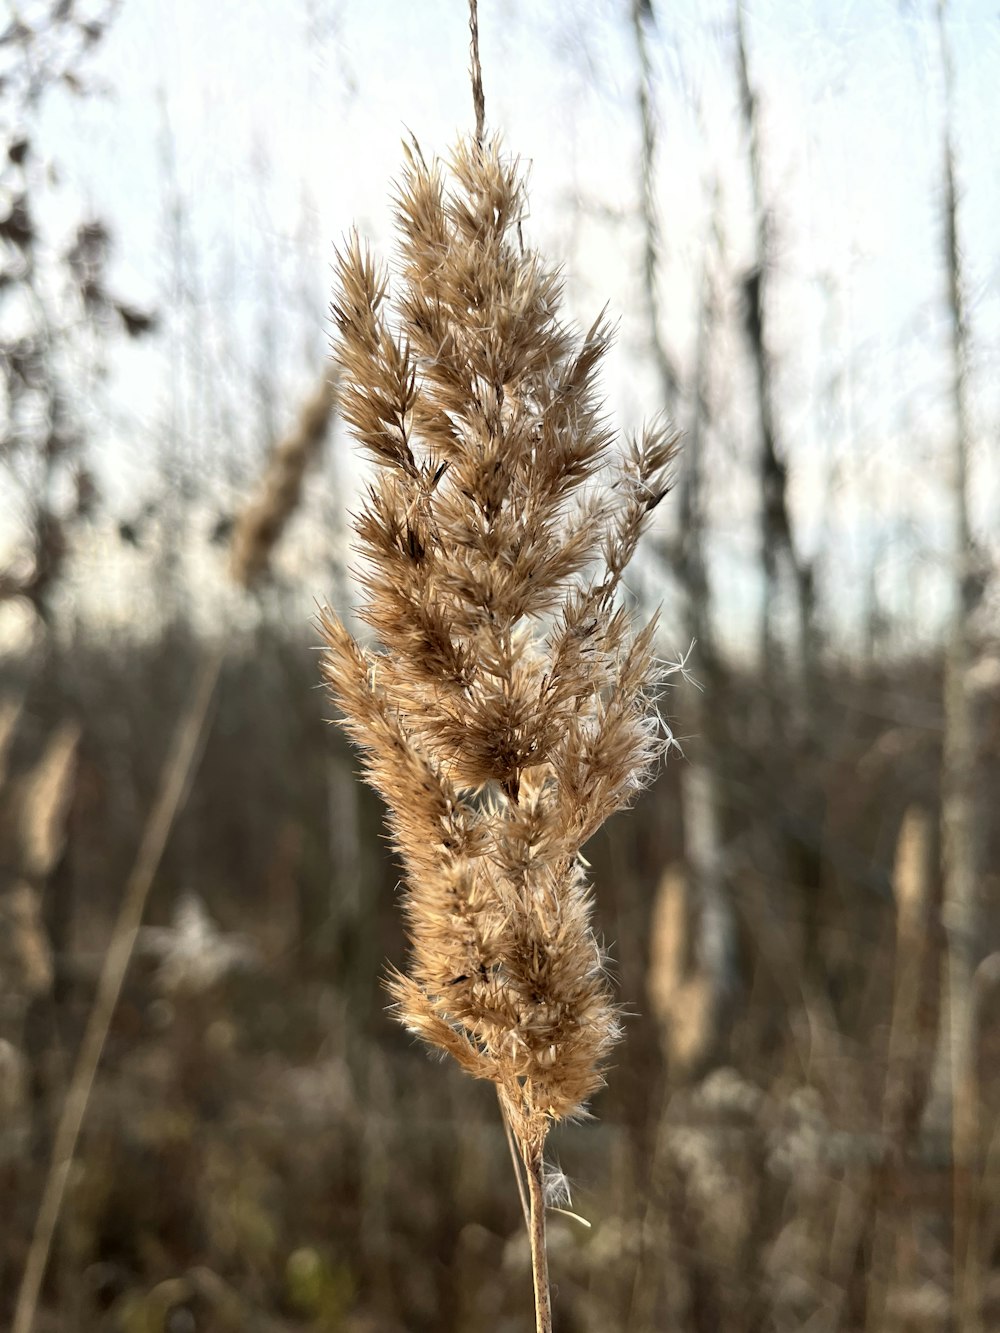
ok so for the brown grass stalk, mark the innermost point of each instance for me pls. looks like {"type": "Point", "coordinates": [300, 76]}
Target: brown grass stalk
{"type": "Point", "coordinates": [906, 1078]}
{"type": "Point", "coordinates": [535, 1169]}
{"type": "Point", "coordinates": [174, 784]}
{"type": "Point", "coordinates": [503, 707]}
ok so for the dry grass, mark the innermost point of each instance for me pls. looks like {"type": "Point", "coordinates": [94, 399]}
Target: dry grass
{"type": "Point", "coordinates": [260, 525]}
{"type": "Point", "coordinates": [33, 807]}
{"type": "Point", "coordinates": [175, 779]}
{"type": "Point", "coordinates": [503, 711]}
{"type": "Point", "coordinates": [281, 1111]}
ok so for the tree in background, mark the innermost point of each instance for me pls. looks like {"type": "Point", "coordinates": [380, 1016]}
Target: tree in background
{"type": "Point", "coordinates": [964, 816]}
{"type": "Point", "coordinates": [690, 981]}
{"type": "Point", "coordinates": [56, 306]}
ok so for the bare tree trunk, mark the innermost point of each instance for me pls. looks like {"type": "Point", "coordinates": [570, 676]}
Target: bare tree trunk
{"type": "Point", "coordinates": [642, 18]}
{"type": "Point", "coordinates": [702, 790]}
{"type": "Point", "coordinates": [955, 1105]}
{"type": "Point", "coordinates": [780, 561]}
{"type": "Point", "coordinates": [703, 787]}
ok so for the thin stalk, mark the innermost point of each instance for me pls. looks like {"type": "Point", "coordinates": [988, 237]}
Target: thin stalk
{"type": "Point", "coordinates": [516, 1163]}
{"type": "Point", "coordinates": [478, 99]}
{"type": "Point", "coordinates": [536, 1231]}
{"type": "Point", "coordinates": [174, 785]}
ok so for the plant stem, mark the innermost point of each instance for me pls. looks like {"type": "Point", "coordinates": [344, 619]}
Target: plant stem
{"type": "Point", "coordinates": [177, 773]}
{"type": "Point", "coordinates": [516, 1161]}
{"type": "Point", "coordinates": [478, 100]}
{"type": "Point", "coordinates": [536, 1232]}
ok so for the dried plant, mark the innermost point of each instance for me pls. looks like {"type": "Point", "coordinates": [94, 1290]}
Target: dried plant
{"type": "Point", "coordinates": [34, 804]}
{"type": "Point", "coordinates": [173, 788]}
{"type": "Point", "coordinates": [504, 710]}
{"type": "Point", "coordinates": [259, 527]}
{"type": "Point", "coordinates": [681, 994]}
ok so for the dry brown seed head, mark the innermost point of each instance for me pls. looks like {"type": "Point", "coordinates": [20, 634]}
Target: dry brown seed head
{"type": "Point", "coordinates": [503, 713]}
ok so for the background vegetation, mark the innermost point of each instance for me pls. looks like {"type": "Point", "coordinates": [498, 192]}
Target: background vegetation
{"type": "Point", "coordinates": [800, 1130]}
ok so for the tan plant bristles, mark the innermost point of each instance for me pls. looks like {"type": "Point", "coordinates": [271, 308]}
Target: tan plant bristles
{"type": "Point", "coordinates": [259, 527]}
{"type": "Point", "coordinates": [503, 712]}
{"type": "Point", "coordinates": [680, 992]}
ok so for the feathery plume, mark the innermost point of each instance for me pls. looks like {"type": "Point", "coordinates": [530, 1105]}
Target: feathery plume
{"type": "Point", "coordinates": [503, 709]}
{"type": "Point", "coordinates": [259, 526]}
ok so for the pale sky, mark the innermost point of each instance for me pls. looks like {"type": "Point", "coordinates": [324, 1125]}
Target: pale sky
{"type": "Point", "coordinates": [238, 140]}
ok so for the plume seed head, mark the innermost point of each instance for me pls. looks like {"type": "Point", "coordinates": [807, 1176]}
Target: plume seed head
{"type": "Point", "coordinates": [502, 707]}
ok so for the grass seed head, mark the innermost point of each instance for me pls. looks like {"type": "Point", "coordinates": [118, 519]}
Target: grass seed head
{"type": "Point", "coordinates": [502, 708]}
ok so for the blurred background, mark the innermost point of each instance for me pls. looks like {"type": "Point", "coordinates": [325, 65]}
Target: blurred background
{"type": "Point", "coordinates": [791, 211]}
